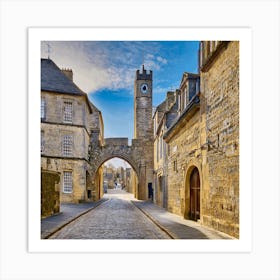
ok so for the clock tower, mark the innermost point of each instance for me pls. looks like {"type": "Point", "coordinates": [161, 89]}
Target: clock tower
{"type": "Point", "coordinates": [143, 130]}
{"type": "Point", "coordinates": [143, 125]}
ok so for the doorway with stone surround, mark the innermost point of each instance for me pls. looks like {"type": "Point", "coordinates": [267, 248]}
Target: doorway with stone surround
{"type": "Point", "coordinates": [192, 193]}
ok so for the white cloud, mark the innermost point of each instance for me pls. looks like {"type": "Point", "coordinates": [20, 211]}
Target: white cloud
{"type": "Point", "coordinates": [160, 90]}
{"type": "Point", "coordinates": [149, 56]}
{"type": "Point", "coordinates": [117, 162]}
{"type": "Point", "coordinates": [153, 62]}
{"type": "Point", "coordinates": [103, 65]}
{"type": "Point", "coordinates": [162, 60]}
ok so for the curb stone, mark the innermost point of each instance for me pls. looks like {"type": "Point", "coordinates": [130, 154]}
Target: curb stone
{"type": "Point", "coordinates": [171, 235]}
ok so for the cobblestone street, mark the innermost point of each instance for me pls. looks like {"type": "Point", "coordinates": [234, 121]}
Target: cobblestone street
{"type": "Point", "coordinates": [116, 218]}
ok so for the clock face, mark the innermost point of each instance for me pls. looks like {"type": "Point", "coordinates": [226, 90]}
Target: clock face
{"type": "Point", "coordinates": [144, 88]}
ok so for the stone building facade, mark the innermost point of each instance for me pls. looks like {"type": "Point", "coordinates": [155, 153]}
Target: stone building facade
{"type": "Point", "coordinates": [163, 116]}
{"type": "Point", "coordinates": [203, 141]}
{"type": "Point", "coordinates": [109, 175]}
{"type": "Point", "coordinates": [219, 70]}
{"type": "Point", "coordinates": [128, 179]}
{"type": "Point", "coordinates": [183, 139]}
{"type": "Point", "coordinates": [68, 123]}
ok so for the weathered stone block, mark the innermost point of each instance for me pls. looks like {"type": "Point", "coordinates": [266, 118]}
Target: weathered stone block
{"type": "Point", "coordinates": [50, 198]}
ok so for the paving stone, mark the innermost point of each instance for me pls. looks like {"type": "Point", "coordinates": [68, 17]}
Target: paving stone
{"type": "Point", "coordinates": [177, 226]}
{"type": "Point", "coordinates": [120, 216]}
{"type": "Point", "coordinates": [68, 212]}
{"type": "Point", "coordinates": [117, 218]}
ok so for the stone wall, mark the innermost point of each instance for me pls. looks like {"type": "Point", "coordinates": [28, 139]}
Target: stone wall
{"type": "Point", "coordinates": [220, 87]}
{"type": "Point", "coordinates": [81, 112]}
{"type": "Point", "coordinates": [50, 199]}
{"type": "Point", "coordinates": [79, 177]}
{"type": "Point", "coordinates": [53, 140]}
{"type": "Point", "coordinates": [143, 115]}
{"type": "Point", "coordinates": [116, 141]}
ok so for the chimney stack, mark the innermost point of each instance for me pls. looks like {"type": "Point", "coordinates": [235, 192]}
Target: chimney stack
{"type": "Point", "coordinates": [68, 73]}
{"type": "Point", "coordinates": [170, 99]}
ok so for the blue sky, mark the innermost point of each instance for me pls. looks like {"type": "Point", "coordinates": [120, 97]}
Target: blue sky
{"type": "Point", "coordinates": [105, 70]}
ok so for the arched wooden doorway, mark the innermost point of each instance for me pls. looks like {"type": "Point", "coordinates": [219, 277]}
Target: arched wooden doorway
{"type": "Point", "coordinates": [194, 195]}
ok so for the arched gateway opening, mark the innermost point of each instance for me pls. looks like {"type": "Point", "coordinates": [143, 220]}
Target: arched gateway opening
{"type": "Point", "coordinates": [113, 175]}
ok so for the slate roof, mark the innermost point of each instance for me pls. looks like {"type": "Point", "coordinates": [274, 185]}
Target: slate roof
{"type": "Point", "coordinates": [194, 103]}
{"type": "Point", "coordinates": [189, 76]}
{"type": "Point", "coordinates": [171, 115]}
{"type": "Point", "coordinates": [53, 79]}
{"type": "Point", "coordinates": [162, 106]}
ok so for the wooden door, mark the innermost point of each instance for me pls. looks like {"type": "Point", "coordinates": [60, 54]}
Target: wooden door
{"type": "Point", "coordinates": [194, 195]}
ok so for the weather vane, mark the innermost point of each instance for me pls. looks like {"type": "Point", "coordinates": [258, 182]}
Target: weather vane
{"type": "Point", "coordinates": [143, 58]}
{"type": "Point", "coordinates": [49, 50]}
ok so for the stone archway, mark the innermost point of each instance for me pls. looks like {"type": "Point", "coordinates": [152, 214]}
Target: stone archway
{"type": "Point", "coordinates": [106, 157]}
{"type": "Point", "coordinates": [134, 154]}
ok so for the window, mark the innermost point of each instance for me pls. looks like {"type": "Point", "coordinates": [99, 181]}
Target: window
{"type": "Point", "coordinates": [192, 89]}
{"type": "Point", "coordinates": [186, 97]}
{"type": "Point", "coordinates": [67, 145]}
{"type": "Point", "coordinates": [157, 149]}
{"type": "Point", "coordinates": [197, 86]}
{"type": "Point", "coordinates": [212, 46]}
{"type": "Point", "coordinates": [160, 148]}
{"type": "Point", "coordinates": [207, 49]}
{"type": "Point", "coordinates": [175, 165]}
{"type": "Point", "coordinates": [67, 182]}
{"type": "Point", "coordinates": [43, 108]}
{"type": "Point", "coordinates": [42, 142]}
{"type": "Point", "coordinates": [179, 103]}
{"type": "Point", "coordinates": [67, 112]}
